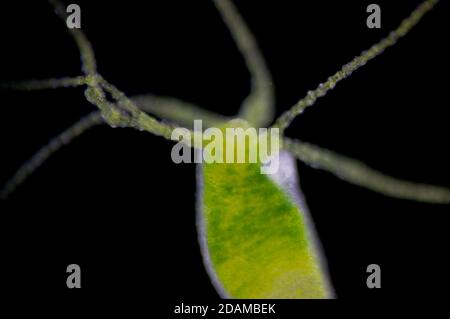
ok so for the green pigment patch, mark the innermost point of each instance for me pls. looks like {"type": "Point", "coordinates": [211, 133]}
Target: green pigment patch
{"type": "Point", "coordinates": [256, 236]}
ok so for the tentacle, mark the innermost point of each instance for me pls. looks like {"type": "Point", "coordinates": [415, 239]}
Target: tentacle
{"type": "Point", "coordinates": [30, 166]}
{"type": "Point", "coordinates": [44, 84]}
{"type": "Point", "coordinates": [258, 107]}
{"type": "Point", "coordinates": [89, 65]}
{"type": "Point", "coordinates": [177, 111]}
{"type": "Point", "coordinates": [358, 173]}
{"type": "Point", "coordinates": [122, 113]}
{"type": "Point", "coordinates": [126, 113]}
{"type": "Point", "coordinates": [287, 117]}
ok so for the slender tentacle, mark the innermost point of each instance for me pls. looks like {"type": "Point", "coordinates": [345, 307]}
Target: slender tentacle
{"type": "Point", "coordinates": [258, 107]}
{"type": "Point", "coordinates": [128, 114]}
{"type": "Point", "coordinates": [406, 25]}
{"type": "Point", "coordinates": [45, 152]}
{"type": "Point", "coordinates": [167, 108]}
{"type": "Point", "coordinates": [44, 84]}
{"type": "Point", "coordinates": [121, 113]}
{"type": "Point", "coordinates": [360, 174]}
{"type": "Point", "coordinates": [177, 111]}
{"type": "Point", "coordinates": [171, 109]}
{"type": "Point", "coordinates": [88, 62]}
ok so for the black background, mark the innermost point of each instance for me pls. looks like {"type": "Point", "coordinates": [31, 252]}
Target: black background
{"type": "Point", "coordinates": [114, 202]}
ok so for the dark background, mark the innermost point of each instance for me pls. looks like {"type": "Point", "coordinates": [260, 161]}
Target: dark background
{"type": "Point", "coordinates": [114, 202]}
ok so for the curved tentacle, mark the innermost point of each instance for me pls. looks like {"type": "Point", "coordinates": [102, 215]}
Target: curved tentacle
{"type": "Point", "coordinates": [172, 109]}
{"type": "Point", "coordinates": [177, 111]}
{"type": "Point", "coordinates": [64, 138]}
{"type": "Point", "coordinates": [407, 24]}
{"type": "Point", "coordinates": [44, 84]}
{"type": "Point", "coordinates": [258, 107]}
{"type": "Point", "coordinates": [122, 113]}
{"type": "Point", "coordinates": [360, 174]}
